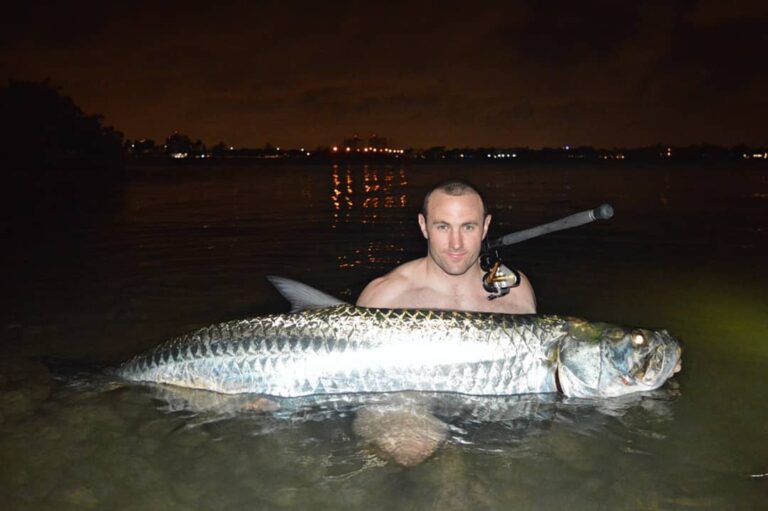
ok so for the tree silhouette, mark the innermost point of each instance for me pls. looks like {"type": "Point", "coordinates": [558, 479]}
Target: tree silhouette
{"type": "Point", "coordinates": [42, 130]}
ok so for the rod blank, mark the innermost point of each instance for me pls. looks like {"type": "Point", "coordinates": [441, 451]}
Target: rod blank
{"type": "Point", "coordinates": [602, 212]}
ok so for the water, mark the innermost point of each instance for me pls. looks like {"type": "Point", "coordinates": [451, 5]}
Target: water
{"type": "Point", "coordinates": [180, 247]}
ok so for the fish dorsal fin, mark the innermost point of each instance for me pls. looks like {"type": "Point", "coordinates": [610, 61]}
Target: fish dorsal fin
{"type": "Point", "coordinates": [301, 295]}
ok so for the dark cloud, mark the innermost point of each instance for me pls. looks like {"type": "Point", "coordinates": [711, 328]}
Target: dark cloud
{"type": "Point", "coordinates": [568, 35]}
{"type": "Point", "coordinates": [426, 73]}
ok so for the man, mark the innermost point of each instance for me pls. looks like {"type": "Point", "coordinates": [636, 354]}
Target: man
{"type": "Point", "coordinates": [454, 221]}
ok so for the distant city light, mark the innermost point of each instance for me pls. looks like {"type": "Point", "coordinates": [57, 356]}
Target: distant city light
{"type": "Point", "coordinates": [335, 149]}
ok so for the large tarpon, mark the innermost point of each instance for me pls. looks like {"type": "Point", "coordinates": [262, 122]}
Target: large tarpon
{"type": "Point", "coordinates": [329, 347]}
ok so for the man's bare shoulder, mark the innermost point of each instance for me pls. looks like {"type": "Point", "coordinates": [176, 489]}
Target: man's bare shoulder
{"type": "Point", "coordinates": [388, 290]}
{"type": "Point", "coordinates": [520, 300]}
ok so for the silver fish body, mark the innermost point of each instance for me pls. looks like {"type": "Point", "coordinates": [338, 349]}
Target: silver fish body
{"type": "Point", "coordinates": [347, 349]}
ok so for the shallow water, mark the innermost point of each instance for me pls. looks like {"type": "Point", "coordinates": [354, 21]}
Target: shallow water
{"type": "Point", "coordinates": [181, 247]}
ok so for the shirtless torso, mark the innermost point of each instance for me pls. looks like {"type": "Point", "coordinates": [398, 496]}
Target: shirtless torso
{"type": "Point", "coordinates": [418, 284]}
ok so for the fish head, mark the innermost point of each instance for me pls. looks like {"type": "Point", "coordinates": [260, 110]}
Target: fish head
{"type": "Point", "coordinates": [604, 360]}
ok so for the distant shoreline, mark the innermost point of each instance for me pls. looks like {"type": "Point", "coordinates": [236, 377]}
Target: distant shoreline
{"type": "Point", "coordinates": [318, 160]}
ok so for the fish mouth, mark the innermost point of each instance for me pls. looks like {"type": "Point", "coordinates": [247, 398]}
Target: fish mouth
{"type": "Point", "coordinates": [677, 366]}
{"type": "Point", "coordinates": [668, 358]}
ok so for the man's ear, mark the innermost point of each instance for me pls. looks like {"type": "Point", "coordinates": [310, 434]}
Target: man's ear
{"type": "Point", "coordinates": [423, 226]}
{"type": "Point", "coordinates": [486, 224]}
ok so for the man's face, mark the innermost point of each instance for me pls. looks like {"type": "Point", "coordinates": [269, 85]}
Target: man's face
{"type": "Point", "coordinates": [454, 228]}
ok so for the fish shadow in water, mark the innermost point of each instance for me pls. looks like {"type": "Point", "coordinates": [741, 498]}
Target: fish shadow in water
{"type": "Point", "coordinates": [409, 427]}
{"type": "Point", "coordinates": [403, 427]}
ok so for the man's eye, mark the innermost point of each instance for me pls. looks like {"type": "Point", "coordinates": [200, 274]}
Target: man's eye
{"type": "Point", "coordinates": [469, 227]}
{"type": "Point", "coordinates": [442, 227]}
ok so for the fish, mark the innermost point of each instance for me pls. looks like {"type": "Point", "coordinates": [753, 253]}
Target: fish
{"type": "Point", "coordinates": [326, 347]}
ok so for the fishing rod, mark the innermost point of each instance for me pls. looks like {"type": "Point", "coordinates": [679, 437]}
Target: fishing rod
{"type": "Point", "coordinates": [498, 278]}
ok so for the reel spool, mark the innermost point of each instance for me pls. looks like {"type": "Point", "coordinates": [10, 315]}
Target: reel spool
{"type": "Point", "coordinates": [498, 279]}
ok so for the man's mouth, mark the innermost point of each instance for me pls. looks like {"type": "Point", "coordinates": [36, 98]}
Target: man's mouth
{"type": "Point", "coordinates": [456, 256]}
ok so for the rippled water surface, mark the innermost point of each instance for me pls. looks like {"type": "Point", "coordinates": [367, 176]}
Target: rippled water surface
{"type": "Point", "coordinates": [95, 281]}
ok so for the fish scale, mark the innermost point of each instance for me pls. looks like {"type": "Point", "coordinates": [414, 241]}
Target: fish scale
{"type": "Point", "coordinates": [265, 355]}
{"type": "Point", "coordinates": [348, 349]}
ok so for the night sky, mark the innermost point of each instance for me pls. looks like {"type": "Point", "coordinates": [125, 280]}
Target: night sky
{"type": "Point", "coordinates": [514, 73]}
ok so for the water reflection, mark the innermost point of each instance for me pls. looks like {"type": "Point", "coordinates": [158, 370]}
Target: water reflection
{"type": "Point", "coordinates": [379, 255]}
{"type": "Point", "coordinates": [409, 427]}
{"type": "Point", "coordinates": [371, 190]}
{"type": "Point", "coordinates": [357, 198]}
{"type": "Point", "coordinates": [342, 192]}
{"type": "Point", "coordinates": [384, 189]}
{"type": "Point", "coordinates": [695, 267]}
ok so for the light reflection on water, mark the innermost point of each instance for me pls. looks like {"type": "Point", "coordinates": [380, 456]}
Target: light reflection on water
{"type": "Point", "coordinates": [190, 247]}
{"type": "Point", "coordinates": [357, 199]}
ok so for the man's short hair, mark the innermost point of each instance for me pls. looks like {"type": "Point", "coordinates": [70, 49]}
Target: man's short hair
{"type": "Point", "coordinates": [454, 187]}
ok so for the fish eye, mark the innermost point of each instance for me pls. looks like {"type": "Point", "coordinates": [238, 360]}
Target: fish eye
{"type": "Point", "coordinates": [638, 339]}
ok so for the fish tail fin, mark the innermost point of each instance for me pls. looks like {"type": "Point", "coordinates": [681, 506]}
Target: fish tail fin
{"type": "Point", "coordinates": [77, 373]}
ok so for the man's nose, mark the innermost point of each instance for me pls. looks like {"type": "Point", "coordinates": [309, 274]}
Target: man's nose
{"type": "Point", "coordinates": [456, 240]}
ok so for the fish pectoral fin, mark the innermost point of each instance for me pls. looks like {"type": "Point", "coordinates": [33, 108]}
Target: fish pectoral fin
{"type": "Point", "coordinates": [302, 296]}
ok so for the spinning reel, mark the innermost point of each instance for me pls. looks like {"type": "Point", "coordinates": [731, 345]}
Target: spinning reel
{"type": "Point", "coordinates": [498, 278]}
